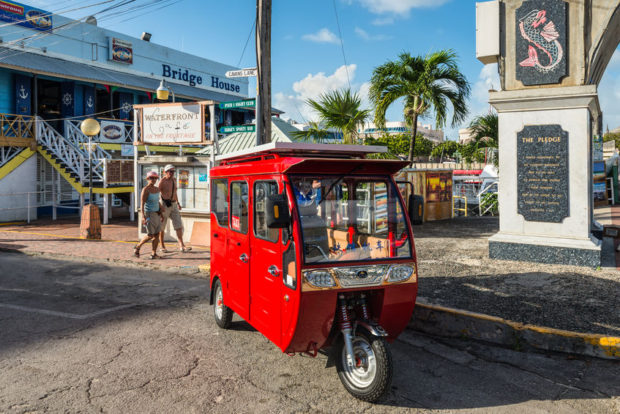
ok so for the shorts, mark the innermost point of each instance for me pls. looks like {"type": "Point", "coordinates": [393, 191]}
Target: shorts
{"type": "Point", "coordinates": [153, 223]}
{"type": "Point", "coordinates": [174, 214]}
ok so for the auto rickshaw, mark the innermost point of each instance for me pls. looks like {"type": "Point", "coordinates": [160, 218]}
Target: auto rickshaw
{"type": "Point", "coordinates": [312, 246]}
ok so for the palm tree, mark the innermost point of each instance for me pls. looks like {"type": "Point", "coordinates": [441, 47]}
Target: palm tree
{"type": "Point", "coordinates": [427, 84]}
{"type": "Point", "coordinates": [315, 133]}
{"type": "Point", "coordinates": [340, 109]}
{"type": "Point", "coordinates": [484, 130]}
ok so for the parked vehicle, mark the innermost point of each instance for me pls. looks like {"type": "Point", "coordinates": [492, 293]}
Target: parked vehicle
{"type": "Point", "coordinates": [311, 245]}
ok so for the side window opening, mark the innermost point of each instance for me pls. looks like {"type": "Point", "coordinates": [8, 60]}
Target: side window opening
{"type": "Point", "coordinates": [219, 200]}
{"type": "Point", "coordinates": [239, 206]}
{"type": "Point", "coordinates": [263, 189]}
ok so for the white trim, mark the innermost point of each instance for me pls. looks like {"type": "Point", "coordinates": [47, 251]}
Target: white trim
{"type": "Point", "coordinates": [333, 150]}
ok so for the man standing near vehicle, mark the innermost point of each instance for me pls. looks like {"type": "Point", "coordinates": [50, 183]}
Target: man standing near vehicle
{"type": "Point", "coordinates": [172, 208]}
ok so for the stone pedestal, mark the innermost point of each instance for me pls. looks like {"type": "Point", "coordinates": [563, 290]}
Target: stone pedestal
{"type": "Point", "coordinates": [90, 225]}
{"type": "Point", "coordinates": [545, 164]}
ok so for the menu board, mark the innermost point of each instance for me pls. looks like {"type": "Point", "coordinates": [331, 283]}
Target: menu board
{"type": "Point", "coordinates": [542, 173]}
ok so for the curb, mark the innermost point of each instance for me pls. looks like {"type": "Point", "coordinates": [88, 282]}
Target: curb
{"type": "Point", "coordinates": [456, 323]}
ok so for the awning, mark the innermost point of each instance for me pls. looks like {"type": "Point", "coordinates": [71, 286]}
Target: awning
{"type": "Point", "coordinates": [47, 65]}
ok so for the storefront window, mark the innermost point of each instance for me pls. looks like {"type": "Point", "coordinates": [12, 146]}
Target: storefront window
{"type": "Point", "coordinates": [192, 185]}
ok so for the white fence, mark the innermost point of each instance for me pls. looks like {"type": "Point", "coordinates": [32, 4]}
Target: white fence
{"type": "Point", "coordinates": [20, 206]}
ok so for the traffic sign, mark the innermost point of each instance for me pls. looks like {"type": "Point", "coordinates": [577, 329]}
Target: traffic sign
{"type": "Point", "coordinates": [246, 103]}
{"type": "Point", "coordinates": [242, 73]}
{"type": "Point", "coordinates": [238, 128]}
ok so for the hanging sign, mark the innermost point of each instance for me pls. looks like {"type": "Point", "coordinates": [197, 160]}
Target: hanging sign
{"type": "Point", "coordinates": [120, 51]}
{"type": "Point", "coordinates": [243, 73]}
{"type": "Point", "coordinates": [177, 124]}
{"type": "Point", "coordinates": [246, 103]}
{"type": "Point", "coordinates": [112, 131]}
{"type": "Point", "coordinates": [238, 128]}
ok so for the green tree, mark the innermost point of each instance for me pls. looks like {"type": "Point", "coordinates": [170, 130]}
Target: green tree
{"type": "Point", "coordinates": [471, 152]}
{"type": "Point", "coordinates": [340, 109]}
{"type": "Point", "coordinates": [610, 136]}
{"type": "Point", "coordinates": [398, 145]}
{"type": "Point", "coordinates": [445, 149]}
{"type": "Point", "coordinates": [484, 130]}
{"type": "Point", "coordinates": [315, 133]}
{"type": "Point", "coordinates": [427, 84]}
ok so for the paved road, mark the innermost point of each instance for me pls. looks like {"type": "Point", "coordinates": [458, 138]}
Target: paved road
{"type": "Point", "coordinates": [89, 337]}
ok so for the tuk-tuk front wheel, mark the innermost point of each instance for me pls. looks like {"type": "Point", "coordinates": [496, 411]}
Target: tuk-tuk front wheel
{"type": "Point", "coordinates": [370, 377]}
{"type": "Point", "coordinates": [223, 314]}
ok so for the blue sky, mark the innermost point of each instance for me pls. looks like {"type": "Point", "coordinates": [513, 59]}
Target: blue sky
{"type": "Point", "coordinates": [307, 57]}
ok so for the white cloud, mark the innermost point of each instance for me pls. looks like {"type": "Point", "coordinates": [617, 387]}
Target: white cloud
{"type": "Point", "coordinates": [383, 21]}
{"type": "Point", "coordinates": [311, 87]}
{"type": "Point", "coordinates": [364, 35]}
{"type": "Point", "coordinates": [398, 6]}
{"type": "Point", "coordinates": [322, 36]}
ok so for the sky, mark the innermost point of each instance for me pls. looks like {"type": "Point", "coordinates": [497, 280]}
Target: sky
{"type": "Point", "coordinates": [308, 58]}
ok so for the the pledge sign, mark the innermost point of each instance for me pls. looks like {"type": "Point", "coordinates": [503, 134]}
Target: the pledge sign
{"type": "Point", "coordinates": [172, 124]}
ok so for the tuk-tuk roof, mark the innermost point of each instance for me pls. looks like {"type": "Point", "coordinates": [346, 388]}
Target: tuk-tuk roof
{"type": "Point", "coordinates": [305, 149]}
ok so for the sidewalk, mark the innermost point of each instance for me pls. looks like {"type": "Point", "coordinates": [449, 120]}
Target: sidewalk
{"type": "Point", "coordinates": [62, 238]}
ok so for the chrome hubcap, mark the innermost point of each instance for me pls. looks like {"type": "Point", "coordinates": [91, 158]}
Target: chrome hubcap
{"type": "Point", "coordinates": [219, 303]}
{"type": "Point", "coordinates": [364, 368]}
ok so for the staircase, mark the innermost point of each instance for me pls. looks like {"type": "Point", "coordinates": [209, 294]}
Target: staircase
{"type": "Point", "coordinates": [69, 155]}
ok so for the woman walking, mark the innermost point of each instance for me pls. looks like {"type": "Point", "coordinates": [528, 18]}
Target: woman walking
{"type": "Point", "coordinates": [151, 212]}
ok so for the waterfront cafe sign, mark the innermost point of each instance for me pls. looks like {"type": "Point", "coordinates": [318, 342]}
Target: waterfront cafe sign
{"type": "Point", "coordinates": [172, 123]}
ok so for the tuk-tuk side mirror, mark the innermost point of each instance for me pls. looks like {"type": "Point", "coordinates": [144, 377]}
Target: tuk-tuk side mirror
{"type": "Point", "coordinates": [277, 216]}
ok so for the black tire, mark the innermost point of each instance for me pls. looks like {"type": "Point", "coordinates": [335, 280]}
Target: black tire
{"type": "Point", "coordinates": [223, 314]}
{"type": "Point", "coordinates": [365, 382]}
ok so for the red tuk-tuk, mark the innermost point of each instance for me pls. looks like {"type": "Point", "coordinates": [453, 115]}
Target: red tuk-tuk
{"type": "Point", "coordinates": [311, 245]}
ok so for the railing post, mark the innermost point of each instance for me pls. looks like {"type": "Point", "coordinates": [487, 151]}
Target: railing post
{"type": "Point", "coordinates": [81, 169]}
{"type": "Point", "coordinates": [132, 206]}
{"type": "Point", "coordinates": [54, 211]}
{"type": "Point", "coordinates": [106, 207]}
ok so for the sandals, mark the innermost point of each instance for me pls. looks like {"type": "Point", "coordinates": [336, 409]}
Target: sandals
{"type": "Point", "coordinates": [136, 251]}
{"type": "Point", "coordinates": [185, 249]}
{"type": "Point", "coordinates": [164, 250]}
{"type": "Point", "coordinates": [155, 256]}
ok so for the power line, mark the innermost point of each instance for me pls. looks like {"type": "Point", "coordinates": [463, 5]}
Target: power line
{"type": "Point", "coordinates": [246, 42]}
{"type": "Point", "coordinates": [346, 67]}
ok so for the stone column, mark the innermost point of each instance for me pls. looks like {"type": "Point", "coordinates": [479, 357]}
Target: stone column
{"type": "Point", "coordinates": [545, 164]}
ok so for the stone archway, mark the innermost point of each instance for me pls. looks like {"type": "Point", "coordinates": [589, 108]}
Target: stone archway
{"type": "Point", "coordinates": [552, 55]}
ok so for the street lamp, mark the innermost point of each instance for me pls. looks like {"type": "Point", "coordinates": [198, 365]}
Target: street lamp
{"type": "Point", "coordinates": [163, 90]}
{"type": "Point", "coordinates": [90, 227]}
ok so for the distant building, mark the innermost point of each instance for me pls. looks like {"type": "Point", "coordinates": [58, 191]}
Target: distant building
{"type": "Point", "coordinates": [465, 136]}
{"type": "Point", "coordinates": [370, 130]}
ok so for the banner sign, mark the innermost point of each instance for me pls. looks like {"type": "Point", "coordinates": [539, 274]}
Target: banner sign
{"type": "Point", "coordinates": [246, 103]}
{"type": "Point", "coordinates": [112, 131]}
{"type": "Point", "coordinates": [26, 16]}
{"type": "Point", "coordinates": [120, 51]}
{"type": "Point", "coordinates": [181, 123]}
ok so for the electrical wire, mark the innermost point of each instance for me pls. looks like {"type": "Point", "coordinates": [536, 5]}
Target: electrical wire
{"type": "Point", "coordinates": [346, 67]}
{"type": "Point", "coordinates": [246, 43]}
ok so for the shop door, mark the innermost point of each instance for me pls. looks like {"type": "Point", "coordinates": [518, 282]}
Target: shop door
{"type": "Point", "coordinates": [23, 95]}
{"type": "Point", "coordinates": [265, 272]}
{"type": "Point", "coordinates": [238, 250]}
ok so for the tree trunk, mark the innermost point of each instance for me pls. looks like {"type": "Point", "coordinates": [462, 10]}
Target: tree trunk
{"type": "Point", "coordinates": [414, 131]}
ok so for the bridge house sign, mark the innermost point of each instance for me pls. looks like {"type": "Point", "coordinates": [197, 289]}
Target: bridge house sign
{"type": "Point", "coordinates": [541, 46]}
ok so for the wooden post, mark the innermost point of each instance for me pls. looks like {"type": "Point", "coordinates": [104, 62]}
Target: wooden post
{"type": "Point", "coordinates": [263, 48]}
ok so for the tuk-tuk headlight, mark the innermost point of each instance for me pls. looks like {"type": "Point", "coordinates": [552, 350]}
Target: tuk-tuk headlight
{"type": "Point", "coordinates": [399, 273]}
{"type": "Point", "coordinates": [320, 278]}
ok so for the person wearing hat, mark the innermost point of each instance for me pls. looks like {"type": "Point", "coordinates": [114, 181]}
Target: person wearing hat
{"type": "Point", "coordinates": [171, 208]}
{"type": "Point", "coordinates": [151, 214]}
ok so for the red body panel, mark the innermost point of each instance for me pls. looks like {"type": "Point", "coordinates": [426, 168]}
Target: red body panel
{"type": "Point", "coordinates": [292, 319]}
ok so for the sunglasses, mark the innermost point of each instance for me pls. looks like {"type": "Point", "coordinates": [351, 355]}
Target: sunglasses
{"type": "Point", "coordinates": [152, 178]}
{"type": "Point", "coordinates": [170, 171]}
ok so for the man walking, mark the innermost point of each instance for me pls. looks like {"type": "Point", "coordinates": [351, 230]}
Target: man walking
{"type": "Point", "coordinates": [172, 208]}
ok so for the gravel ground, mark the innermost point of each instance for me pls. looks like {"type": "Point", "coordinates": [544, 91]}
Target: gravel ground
{"type": "Point", "coordinates": [455, 271]}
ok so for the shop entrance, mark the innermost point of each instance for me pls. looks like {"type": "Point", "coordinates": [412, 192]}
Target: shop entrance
{"type": "Point", "coordinates": [48, 99]}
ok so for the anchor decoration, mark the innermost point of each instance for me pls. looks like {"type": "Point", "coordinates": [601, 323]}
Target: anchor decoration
{"type": "Point", "coordinates": [22, 92]}
{"type": "Point", "coordinates": [89, 102]}
{"type": "Point", "coordinates": [67, 99]}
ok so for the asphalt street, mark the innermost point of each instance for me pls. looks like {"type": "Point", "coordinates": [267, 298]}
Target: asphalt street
{"type": "Point", "coordinates": [88, 337]}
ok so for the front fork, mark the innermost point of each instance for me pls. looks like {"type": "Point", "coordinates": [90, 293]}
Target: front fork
{"type": "Point", "coordinates": [348, 327]}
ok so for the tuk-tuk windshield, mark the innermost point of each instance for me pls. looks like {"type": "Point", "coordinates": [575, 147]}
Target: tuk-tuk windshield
{"type": "Point", "coordinates": [350, 218]}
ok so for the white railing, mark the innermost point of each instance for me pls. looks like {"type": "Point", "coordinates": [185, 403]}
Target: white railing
{"type": "Point", "coordinates": [66, 151]}
{"type": "Point", "coordinates": [74, 134]}
{"type": "Point", "coordinates": [31, 200]}
{"type": "Point", "coordinates": [8, 153]}
{"type": "Point", "coordinates": [485, 206]}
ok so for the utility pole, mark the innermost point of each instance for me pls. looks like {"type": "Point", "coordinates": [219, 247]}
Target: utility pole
{"type": "Point", "coordinates": [263, 57]}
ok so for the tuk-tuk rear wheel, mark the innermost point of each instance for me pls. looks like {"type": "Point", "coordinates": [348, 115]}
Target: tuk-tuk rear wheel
{"type": "Point", "coordinates": [371, 376]}
{"type": "Point", "coordinates": [223, 314]}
